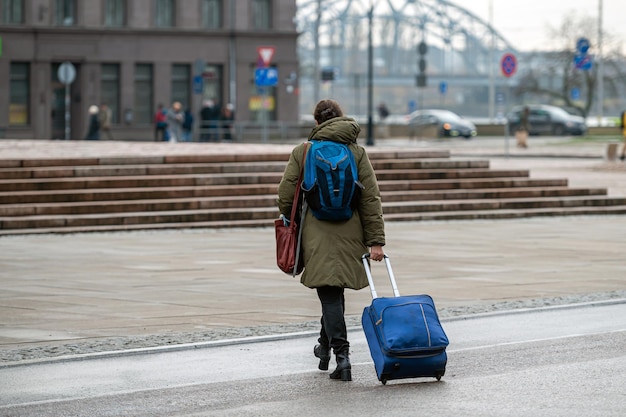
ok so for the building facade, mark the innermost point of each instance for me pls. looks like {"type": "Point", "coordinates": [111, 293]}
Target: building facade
{"type": "Point", "coordinates": [133, 55]}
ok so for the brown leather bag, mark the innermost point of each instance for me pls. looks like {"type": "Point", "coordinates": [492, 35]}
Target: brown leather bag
{"type": "Point", "coordinates": [288, 236]}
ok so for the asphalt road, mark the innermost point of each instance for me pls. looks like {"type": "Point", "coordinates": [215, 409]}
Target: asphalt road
{"type": "Point", "coordinates": [546, 362]}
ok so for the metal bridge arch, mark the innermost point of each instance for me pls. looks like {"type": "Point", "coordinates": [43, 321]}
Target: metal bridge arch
{"type": "Point", "coordinates": [334, 34]}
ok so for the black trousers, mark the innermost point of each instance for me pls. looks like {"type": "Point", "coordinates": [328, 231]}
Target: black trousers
{"type": "Point", "coordinates": [334, 333]}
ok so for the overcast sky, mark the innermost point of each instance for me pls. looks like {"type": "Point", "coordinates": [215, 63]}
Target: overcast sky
{"type": "Point", "coordinates": [524, 23]}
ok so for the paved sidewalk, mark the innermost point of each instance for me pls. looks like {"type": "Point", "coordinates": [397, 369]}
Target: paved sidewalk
{"type": "Point", "coordinates": [58, 289]}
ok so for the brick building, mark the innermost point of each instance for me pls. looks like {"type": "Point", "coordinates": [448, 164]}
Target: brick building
{"type": "Point", "coordinates": [134, 54]}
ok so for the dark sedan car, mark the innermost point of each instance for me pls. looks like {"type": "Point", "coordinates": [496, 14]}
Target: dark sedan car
{"type": "Point", "coordinates": [548, 120]}
{"type": "Point", "coordinates": [439, 123]}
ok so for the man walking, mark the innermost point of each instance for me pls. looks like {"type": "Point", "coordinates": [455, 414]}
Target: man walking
{"type": "Point", "coordinates": [105, 121]}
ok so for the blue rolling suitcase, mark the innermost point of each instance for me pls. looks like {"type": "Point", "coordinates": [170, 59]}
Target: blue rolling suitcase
{"type": "Point", "coordinates": [405, 337]}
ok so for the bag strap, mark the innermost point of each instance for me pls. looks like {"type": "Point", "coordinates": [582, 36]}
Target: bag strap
{"type": "Point", "coordinates": [305, 206]}
{"type": "Point", "coordinates": [293, 213]}
{"type": "Point", "coordinates": [296, 197]}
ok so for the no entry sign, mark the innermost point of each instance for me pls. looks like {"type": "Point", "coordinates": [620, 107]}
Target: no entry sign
{"type": "Point", "coordinates": [508, 65]}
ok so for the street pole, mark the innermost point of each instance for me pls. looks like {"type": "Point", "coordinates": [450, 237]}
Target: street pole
{"type": "Point", "coordinates": [232, 48]}
{"type": "Point", "coordinates": [492, 87]}
{"type": "Point", "coordinates": [600, 68]}
{"type": "Point", "coordinates": [316, 59]}
{"type": "Point", "coordinates": [67, 112]}
{"type": "Point", "coordinates": [370, 80]}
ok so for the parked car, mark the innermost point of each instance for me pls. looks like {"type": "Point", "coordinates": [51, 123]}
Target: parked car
{"type": "Point", "coordinates": [439, 123]}
{"type": "Point", "coordinates": [548, 120]}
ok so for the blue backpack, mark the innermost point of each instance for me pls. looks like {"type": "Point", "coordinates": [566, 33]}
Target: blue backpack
{"type": "Point", "coordinates": [331, 181]}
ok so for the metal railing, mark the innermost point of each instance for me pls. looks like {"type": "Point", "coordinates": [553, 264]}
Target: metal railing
{"type": "Point", "coordinates": [248, 131]}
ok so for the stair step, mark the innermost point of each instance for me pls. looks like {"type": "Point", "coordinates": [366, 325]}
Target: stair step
{"type": "Point", "coordinates": [496, 193]}
{"type": "Point", "coordinates": [508, 214]}
{"type": "Point", "coordinates": [140, 181]}
{"type": "Point", "coordinates": [140, 170]}
{"type": "Point", "coordinates": [386, 164]}
{"type": "Point", "coordinates": [499, 204]}
{"type": "Point", "coordinates": [138, 218]}
{"type": "Point", "coordinates": [471, 183]}
{"type": "Point", "coordinates": [129, 206]}
{"type": "Point", "coordinates": [142, 193]}
{"type": "Point", "coordinates": [122, 170]}
{"type": "Point", "coordinates": [139, 227]}
{"type": "Point", "coordinates": [373, 154]}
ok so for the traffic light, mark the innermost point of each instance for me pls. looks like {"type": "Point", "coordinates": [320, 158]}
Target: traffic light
{"type": "Point", "coordinates": [422, 50]}
{"type": "Point", "coordinates": [328, 74]}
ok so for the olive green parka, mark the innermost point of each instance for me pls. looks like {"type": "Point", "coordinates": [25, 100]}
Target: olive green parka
{"type": "Point", "coordinates": [332, 250]}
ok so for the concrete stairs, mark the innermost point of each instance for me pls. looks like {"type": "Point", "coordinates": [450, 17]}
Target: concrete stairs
{"type": "Point", "coordinates": [192, 191]}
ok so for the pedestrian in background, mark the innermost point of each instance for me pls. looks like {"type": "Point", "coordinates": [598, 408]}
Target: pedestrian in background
{"type": "Point", "coordinates": [332, 250]}
{"type": "Point", "coordinates": [210, 116]}
{"type": "Point", "coordinates": [106, 116]}
{"type": "Point", "coordinates": [93, 131]}
{"type": "Point", "coordinates": [521, 135]}
{"type": "Point", "coordinates": [383, 111]}
{"type": "Point", "coordinates": [187, 125]}
{"type": "Point", "coordinates": [228, 119]}
{"type": "Point", "coordinates": [175, 119]}
{"type": "Point", "coordinates": [160, 124]}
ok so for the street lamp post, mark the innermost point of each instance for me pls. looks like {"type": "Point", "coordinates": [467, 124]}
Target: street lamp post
{"type": "Point", "coordinates": [370, 80]}
{"type": "Point", "coordinates": [316, 63]}
{"type": "Point", "coordinates": [600, 68]}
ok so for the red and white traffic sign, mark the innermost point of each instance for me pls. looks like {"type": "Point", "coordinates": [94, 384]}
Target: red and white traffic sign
{"type": "Point", "coordinates": [508, 65]}
{"type": "Point", "coordinates": [266, 53]}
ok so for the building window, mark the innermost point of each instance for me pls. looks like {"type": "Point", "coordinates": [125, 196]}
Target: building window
{"type": "Point", "coordinates": [13, 11]}
{"type": "Point", "coordinates": [110, 89]}
{"type": "Point", "coordinates": [212, 14]}
{"type": "Point", "coordinates": [165, 13]}
{"type": "Point", "coordinates": [115, 13]}
{"type": "Point", "coordinates": [261, 14]}
{"type": "Point", "coordinates": [181, 81]}
{"type": "Point", "coordinates": [143, 93]}
{"type": "Point", "coordinates": [66, 12]}
{"type": "Point", "coordinates": [19, 94]}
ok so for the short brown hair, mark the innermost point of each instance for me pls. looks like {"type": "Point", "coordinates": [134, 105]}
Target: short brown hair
{"type": "Point", "coordinates": [326, 110]}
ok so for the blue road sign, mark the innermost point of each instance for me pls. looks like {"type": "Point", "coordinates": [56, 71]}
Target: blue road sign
{"type": "Point", "coordinates": [443, 87]}
{"type": "Point", "coordinates": [266, 77]}
{"type": "Point", "coordinates": [198, 84]}
{"type": "Point", "coordinates": [583, 62]}
{"type": "Point", "coordinates": [582, 45]}
{"type": "Point", "coordinates": [575, 93]}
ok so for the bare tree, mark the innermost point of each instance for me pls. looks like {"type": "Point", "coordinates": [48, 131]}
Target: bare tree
{"type": "Point", "coordinates": [551, 76]}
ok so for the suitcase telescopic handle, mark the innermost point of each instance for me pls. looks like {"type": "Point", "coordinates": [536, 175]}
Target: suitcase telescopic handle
{"type": "Point", "coordinates": [368, 272]}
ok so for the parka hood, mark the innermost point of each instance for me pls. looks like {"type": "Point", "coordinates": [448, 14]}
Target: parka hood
{"type": "Point", "coordinates": [339, 129]}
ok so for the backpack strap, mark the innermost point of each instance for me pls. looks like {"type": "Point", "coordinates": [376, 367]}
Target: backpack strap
{"type": "Point", "coordinates": [298, 192]}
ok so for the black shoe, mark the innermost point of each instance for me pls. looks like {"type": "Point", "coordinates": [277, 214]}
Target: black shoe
{"type": "Point", "coordinates": [323, 353]}
{"type": "Point", "coordinates": [344, 369]}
